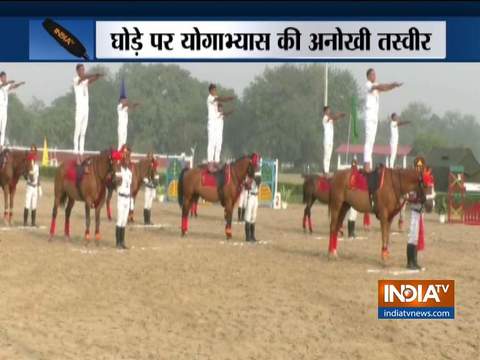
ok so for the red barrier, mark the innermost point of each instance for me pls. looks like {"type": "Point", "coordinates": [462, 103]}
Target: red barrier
{"type": "Point", "coordinates": [471, 214]}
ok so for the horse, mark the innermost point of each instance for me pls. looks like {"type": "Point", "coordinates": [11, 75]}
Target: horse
{"type": "Point", "coordinates": [224, 187]}
{"type": "Point", "coordinates": [90, 189]}
{"type": "Point", "coordinates": [394, 184]}
{"type": "Point", "coordinates": [315, 187]}
{"type": "Point", "coordinates": [145, 168]}
{"type": "Point", "coordinates": [15, 164]}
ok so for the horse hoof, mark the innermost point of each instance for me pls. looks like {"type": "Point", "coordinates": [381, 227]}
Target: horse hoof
{"type": "Point", "coordinates": [50, 238]}
{"type": "Point", "coordinates": [184, 233]}
{"type": "Point", "coordinates": [385, 255]}
{"type": "Point", "coordinates": [67, 238]}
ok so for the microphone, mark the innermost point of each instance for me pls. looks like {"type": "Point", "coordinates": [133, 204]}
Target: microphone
{"type": "Point", "coordinates": [65, 38]}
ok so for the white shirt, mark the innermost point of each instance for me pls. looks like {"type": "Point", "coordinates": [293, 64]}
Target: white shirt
{"type": "Point", "coordinates": [393, 132]}
{"type": "Point", "coordinates": [33, 175]}
{"type": "Point", "coordinates": [371, 99]}
{"type": "Point", "coordinates": [327, 130]}
{"type": "Point", "coordinates": [212, 106]}
{"type": "Point", "coordinates": [81, 92]}
{"type": "Point", "coordinates": [126, 175]}
{"type": "Point", "coordinates": [122, 112]}
{"type": "Point", "coordinates": [4, 95]}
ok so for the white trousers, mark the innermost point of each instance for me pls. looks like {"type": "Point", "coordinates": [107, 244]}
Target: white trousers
{"type": "Point", "coordinates": [122, 134]}
{"type": "Point", "coordinates": [251, 209]}
{"type": "Point", "coordinates": [371, 123]}
{"type": "Point", "coordinates": [3, 125]}
{"type": "Point", "coordinates": [149, 196]}
{"type": "Point", "coordinates": [215, 135]}
{"type": "Point", "coordinates": [123, 207]}
{"type": "Point", "coordinates": [393, 153]}
{"type": "Point", "coordinates": [352, 214]}
{"type": "Point", "coordinates": [242, 199]}
{"type": "Point", "coordinates": [31, 197]}
{"type": "Point", "coordinates": [81, 123]}
{"type": "Point", "coordinates": [414, 227]}
{"type": "Point", "coordinates": [327, 155]}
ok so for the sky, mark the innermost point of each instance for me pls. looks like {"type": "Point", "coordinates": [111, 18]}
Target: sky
{"type": "Point", "coordinates": [442, 86]}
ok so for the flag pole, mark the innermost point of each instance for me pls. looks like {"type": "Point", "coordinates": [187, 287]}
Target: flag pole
{"type": "Point", "coordinates": [348, 136]}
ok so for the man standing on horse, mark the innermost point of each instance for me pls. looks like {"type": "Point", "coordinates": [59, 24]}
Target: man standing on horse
{"type": "Point", "coordinates": [81, 81]}
{"type": "Point", "coordinates": [33, 188]}
{"type": "Point", "coordinates": [395, 122]}
{"type": "Point", "coordinates": [373, 89]}
{"type": "Point", "coordinates": [329, 119]}
{"type": "Point", "coordinates": [123, 108]}
{"type": "Point", "coordinates": [215, 126]}
{"type": "Point", "coordinates": [124, 196]}
{"type": "Point", "coordinates": [5, 87]}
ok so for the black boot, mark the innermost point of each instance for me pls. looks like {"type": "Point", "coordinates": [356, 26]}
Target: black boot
{"type": "Point", "coordinates": [122, 238]}
{"type": "Point", "coordinates": [252, 232]}
{"type": "Point", "coordinates": [247, 231]}
{"type": "Point", "coordinates": [410, 257]}
{"type": "Point", "coordinates": [117, 237]}
{"type": "Point", "coordinates": [145, 217]}
{"type": "Point", "coordinates": [150, 217]}
{"type": "Point", "coordinates": [415, 261]}
{"type": "Point", "coordinates": [34, 217]}
{"type": "Point", "coordinates": [25, 216]}
{"type": "Point", "coordinates": [243, 213]}
{"type": "Point", "coordinates": [351, 229]}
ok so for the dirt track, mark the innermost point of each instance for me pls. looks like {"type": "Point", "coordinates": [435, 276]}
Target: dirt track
{"type": "Point", "coordinates": [205, 298]}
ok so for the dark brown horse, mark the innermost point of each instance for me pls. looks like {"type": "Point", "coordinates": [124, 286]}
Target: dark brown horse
{"type": "Point", "coordinates": [145, 168]}
{"type": "Point", "coordinates": [394, 184]}
{"type": "Point", "coordinates": [315, 187]}
{"type": "Point", "coordinates": [90, 189]}
{"type": "Point", "coordinates": [229, 179]}
{"type": "Point", "coordinates": [15, 164]}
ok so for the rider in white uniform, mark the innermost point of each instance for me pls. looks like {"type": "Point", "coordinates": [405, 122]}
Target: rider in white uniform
{"type": "Point", "coordinates": [33, 190]}
{"type": "Point", "coordinates": [5, 87]}
{"type": "Point", "coordinates": [150, 193]}
{"type": "Point", "coordinates": [395, 123]}
{"type": "Point", "coordinates": [81, 81]}
{"type": "Point", "coordinates": [373, 90]}
{"type": "Point", "coordinates": [215, 126]}
{"type": "Point", "coordinates": [124, 194]}
{"type": "Point", "coordinates": [253, 186]}
{"type": "Point", "coordinates": [328, 121]}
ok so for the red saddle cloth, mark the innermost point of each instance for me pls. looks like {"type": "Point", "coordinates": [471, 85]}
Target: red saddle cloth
{"type": "Point", "coordinates": [323, 185]}
{"type": "Point", "coordinates": [210, 179]}
{"type": "Point", "coordinates": [71, 173]}
{"type": "Point", "coordinates": [358, 181]}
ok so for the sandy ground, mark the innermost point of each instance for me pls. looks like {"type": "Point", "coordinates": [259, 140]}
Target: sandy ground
{"type": "Point", "coordinates": [206, 298]}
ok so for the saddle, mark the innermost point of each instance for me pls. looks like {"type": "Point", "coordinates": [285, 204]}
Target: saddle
{"type": "Point", "coordinates": [76, 172]}
{"type": "Point", "coordinates": [217, 179]}
{"type": "Point", "coordinates": [3, 157]}
{"type": "Point", "coordinates": [371, 182]}
{"type": "Point", "coordinates": [323, 184]}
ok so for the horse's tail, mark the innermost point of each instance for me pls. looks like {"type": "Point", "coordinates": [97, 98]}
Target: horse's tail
{"type": "Point", "coordinates": [180, 186]}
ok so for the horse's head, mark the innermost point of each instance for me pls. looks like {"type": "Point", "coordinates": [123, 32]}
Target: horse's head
{"type": "Point", "coordinates": [426, 190]}
{"type": "Point", "coordinates": [115, 159]}
{"type": "Point", "coordinates": [254, 164]}
{"type": "Point", "coordinates": [26, 166]}
{"type": "Point", "coordinates": [152, 166]}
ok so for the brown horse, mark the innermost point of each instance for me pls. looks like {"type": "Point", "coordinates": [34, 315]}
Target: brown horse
{"type": "Point", "coordinates": [315, 187]}
{"type": "Point", "coordinates": [145, 168]}
{"type": "Point", "coordinates": [229, 180]}
{"type": "Point", "coordinates": [90, 189]}
{"type": "Point", "coordinates": [394, 184]}
{"type": "Point", "coordinates": [15, 164]}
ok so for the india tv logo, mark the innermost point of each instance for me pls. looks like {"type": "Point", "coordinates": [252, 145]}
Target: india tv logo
{"type": "Point", "coordinates": [416, 299]}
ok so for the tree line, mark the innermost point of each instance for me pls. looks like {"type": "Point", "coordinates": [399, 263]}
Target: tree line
{"type": "Point", "coordinates": [279, 115]}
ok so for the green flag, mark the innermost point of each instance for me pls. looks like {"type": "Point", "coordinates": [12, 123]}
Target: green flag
{"type": "Point", "coordinates": [354, 120]}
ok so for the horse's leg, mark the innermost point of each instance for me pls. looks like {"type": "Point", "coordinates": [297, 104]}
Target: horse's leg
{"type": "Point", "coordinates": [385, 225]}
{"type": "Point", "coordinates": [68, 212]}
{"type": "Point", "coordinates": [87, 223]}
{"type": "Point", "coordinates": [309, 215]}
{"type": "Point", "coordinates": [12, 197]}
{"type": "Point", "coordinates": [97, 225]}
{"type": "Point", "coordinates": [109, 199]}
{"type": "Point", "coordinates": [338, 210]}
{"type": "Point", "coordinates": [5, 198]}
{"type": "Point", "coordinates": [187, 201]}
{"type": "Point", "coordinates": [228, 219]}
{"type": "Point", "coordinates": [53, 224]}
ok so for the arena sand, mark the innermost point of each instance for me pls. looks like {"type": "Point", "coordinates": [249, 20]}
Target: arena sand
{"type": "Point", "coordinates": [202, 297]}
